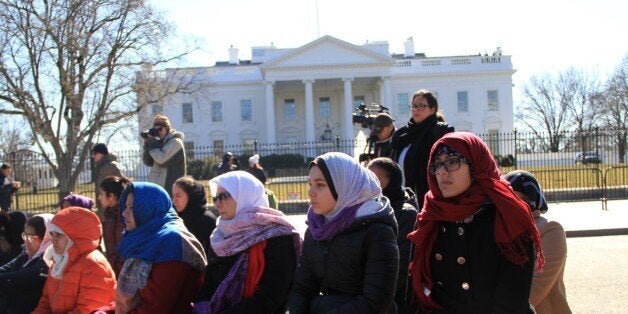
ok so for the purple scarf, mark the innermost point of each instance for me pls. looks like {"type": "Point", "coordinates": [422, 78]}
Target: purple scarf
{"type": "Point", "coordinates": [250, 226]}
{"type": "Point", "coordinates": [323, 231]}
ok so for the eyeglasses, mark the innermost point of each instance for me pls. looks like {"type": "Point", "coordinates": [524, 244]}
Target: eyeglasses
{"type": "Point", "coordinates": [221, 197]}
{"type": "Point", "coordinates": [29, 237]}
{"type": "Point", "coordinates": [420, 107]}
{"type": "Point", "coordinates": [451, 164]}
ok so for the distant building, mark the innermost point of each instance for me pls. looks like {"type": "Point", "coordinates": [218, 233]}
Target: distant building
{"type": "Point", "coordinates": [310, 92]}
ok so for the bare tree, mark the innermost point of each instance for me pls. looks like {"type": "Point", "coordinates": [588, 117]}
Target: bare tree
{"type": "Point", "coordinates": [14, 136]}
{"type": "Point", "coordinates": [616, 107]}
{"type": "Point", "coordinates": [544, 110]}
{"type": "Point", "coordinates": [69, 67]}
{"type": "Point", "coordinates": [561, 103]}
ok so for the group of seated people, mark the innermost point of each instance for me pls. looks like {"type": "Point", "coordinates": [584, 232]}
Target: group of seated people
{"type": "Point", "coordinates": [472, 248]}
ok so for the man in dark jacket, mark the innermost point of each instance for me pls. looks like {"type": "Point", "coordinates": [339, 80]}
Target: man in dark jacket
{"type": "Point", "coordinates": [105, 165]}
{"type": "Point", "coordinates": [165, 154]}
{"type": "Point", "coordinates": [7, 187]}
{"type": "Point", "coordinates": [381, 133]}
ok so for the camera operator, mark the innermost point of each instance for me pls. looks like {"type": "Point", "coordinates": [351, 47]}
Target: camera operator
{"type": "Point", "coordinates": [164, 153]}
{"type": "Point", "coordinates": [381, 134]}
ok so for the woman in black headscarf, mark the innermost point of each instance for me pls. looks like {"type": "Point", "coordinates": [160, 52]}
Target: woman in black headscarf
{"type": "Point", "coordinates": [412, 142]}
{"type": "Point", "coordinates": [403, 202]}
{"type": "Point", "coordinates": [190, 202]}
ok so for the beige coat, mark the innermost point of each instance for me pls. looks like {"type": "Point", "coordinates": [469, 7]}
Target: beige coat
{"type": "Point", "coordinates": [548, 289]}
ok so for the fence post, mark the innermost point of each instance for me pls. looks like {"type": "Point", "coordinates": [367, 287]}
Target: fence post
{"type": "Point", "coordinates": [337, 141]}
{"type": "Point", "coordinates": [255, 146]}
{"type": "Point", "coordinates": [515, 153]}
{"type": "Point", "coordinates": [597, 141]}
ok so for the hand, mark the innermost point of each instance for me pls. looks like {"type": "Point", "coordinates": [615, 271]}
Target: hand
{"type": "Point", "coordinates": [17, 184]}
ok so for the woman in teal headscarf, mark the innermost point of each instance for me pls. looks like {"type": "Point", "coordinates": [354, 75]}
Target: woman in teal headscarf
{"type": "Point", "coordinates": [163, 261]}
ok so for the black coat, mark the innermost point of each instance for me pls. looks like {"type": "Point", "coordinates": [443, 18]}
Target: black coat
{"type": "Point", "coordinates": [6, 192]}
{"type": "Point", "coordinates": [418, 138]}
{"type": "Point", "coordinates": [200, 222]}
{"type": "Point", "coordinates": [471, 275]}
{"type": "Point", "coordinates": [270, 297]}
{"type": "Point", "coordinates": [21, 286]}
{"type": "Point", "coordinates": [405, 213]}
{"type": "Point", "coordinates": [355, 272]}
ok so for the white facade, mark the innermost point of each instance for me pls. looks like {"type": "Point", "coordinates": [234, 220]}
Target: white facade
{"type": "Point", "coordinates": [289, 95]}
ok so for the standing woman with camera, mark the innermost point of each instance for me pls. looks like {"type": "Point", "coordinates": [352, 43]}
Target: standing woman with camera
{"type": "Point", "coordinates": [411, 143]}
{"type": "Point", "coordinates": [164, 153]}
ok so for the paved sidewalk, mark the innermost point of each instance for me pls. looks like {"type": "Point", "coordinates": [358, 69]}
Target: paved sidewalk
{"type": "Point", "coordinates": [580, 219]}
{"type": "Point", "coordinates": [583, 219]}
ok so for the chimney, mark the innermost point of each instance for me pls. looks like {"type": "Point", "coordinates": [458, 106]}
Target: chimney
{"type": "Point", "coordinates": [233, 55]}
{"type": "Point", "coordinates": [409, 45]}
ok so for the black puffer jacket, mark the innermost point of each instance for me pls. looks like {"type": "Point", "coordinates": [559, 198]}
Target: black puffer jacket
{"type": "Point", "coordinates": [21, 285]}
{"type": "Point", "coordinates": [355, 272]}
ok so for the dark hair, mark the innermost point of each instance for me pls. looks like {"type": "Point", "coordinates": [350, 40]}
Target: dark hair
{"type": "Point", "coordinates": [114, 185]}
{"type": "Point", "coordinates": [386, 164]}
{"type": "Point", "coordinates": [194, 190]}
{"type": "Point", "coordinates": [431, 101]}
{"type": "Point", "coordinates": [37, 223]}
{"type": "Point", "coordinates": [5, 166]}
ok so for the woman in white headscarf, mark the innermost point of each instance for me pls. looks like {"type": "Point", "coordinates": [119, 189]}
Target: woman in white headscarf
{"type": "Point", "coordinates": [350, 255]}
{"type": "Point", "coordinates": [253, 250]}
{"type": "Point", "coordinates": [23, 278]}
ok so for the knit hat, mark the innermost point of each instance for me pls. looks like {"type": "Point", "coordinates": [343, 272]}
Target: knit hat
{"type": "Point", "coordinates": [100, 148]}
{"type": "Point", "coordinates": [254, 159]}
{"type": "Point", "coordinates": [525, 182]}
{"type": "Point", "coordinates": [161, 120]}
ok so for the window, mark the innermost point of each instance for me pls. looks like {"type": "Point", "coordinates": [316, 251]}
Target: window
{"type": "Point", "coordinates": [357, 101]}
{"type": "Point", "coordinates": [290, 110]}
{"type": "Point", "coordinates": [219, 147]}
{"type": "Point", "coordinates": [188, 114]}
{"type": "Point", "coordinates": [403, 103]}
{"type": "Point", "coordinates": [324, 107]}
{"type": "Point", "coordinates": [157, 109]}
{"type": "Point", "coordinates": [216, 111]}
{"type": "Point", "coordinates": [492, 104]}
{"type": "Point", "coordinates": [493, 141]}
{"type": "Point", "coordinates": [246, 110]}
{"type": "Point", "coordinates": [463, 102]}
{"type": "Point", "coordinates": [189, 149]}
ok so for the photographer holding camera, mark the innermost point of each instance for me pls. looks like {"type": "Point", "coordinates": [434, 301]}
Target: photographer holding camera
{"type": "Point", "coordinates": [381, 134]}
{"type": "Point", "coordinates": [164, 153]}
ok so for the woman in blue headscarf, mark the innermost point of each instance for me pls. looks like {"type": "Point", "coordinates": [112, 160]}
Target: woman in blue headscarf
{"type": "Point", "coordinates": [163, 261]}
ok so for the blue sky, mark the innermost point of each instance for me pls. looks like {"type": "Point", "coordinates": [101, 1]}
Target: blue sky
{"type": "Point", "coordinates": [542, 36]}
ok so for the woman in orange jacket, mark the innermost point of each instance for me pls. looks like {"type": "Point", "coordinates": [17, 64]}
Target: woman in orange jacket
{"type": "Point", "coordinates": [80, 279]}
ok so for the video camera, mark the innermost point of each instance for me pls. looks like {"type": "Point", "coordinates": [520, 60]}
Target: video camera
{"type": "Point", "coordinates": [154, 132]}
{"type": "Point", "coordinates": [365, 115]}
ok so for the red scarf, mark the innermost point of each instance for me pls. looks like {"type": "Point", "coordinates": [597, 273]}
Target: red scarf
{"type": "Point", "coordinates": [256, 268]}
{"type": "Point", "coordinates": [514, 225]}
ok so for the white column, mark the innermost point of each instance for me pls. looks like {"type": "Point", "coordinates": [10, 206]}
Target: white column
{"type": "Point", "coordinates": [387, 101]}
{"type": "Point", "coordinates": [380, 84]}
{"type": "Point", "coordinates": [347, 110]}
{"type": "Point", "coordinates": [270, 113]}
{"type": "Point", "coordinates": [309, 111]}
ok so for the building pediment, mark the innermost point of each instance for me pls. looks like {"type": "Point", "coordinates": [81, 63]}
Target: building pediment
{"type": "Point", "coordinates": [327, 51]}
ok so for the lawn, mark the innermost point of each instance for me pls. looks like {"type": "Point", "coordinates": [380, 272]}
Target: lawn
{"type": "Point", "coordinates": [295, 188]}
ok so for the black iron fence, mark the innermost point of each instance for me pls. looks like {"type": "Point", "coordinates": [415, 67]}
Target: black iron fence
{"type": "Point", "coordinates": [570, 166]}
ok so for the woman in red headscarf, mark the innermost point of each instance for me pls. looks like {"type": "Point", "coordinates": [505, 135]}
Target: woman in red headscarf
{"type": "Point", "coordinates": [475, 243]}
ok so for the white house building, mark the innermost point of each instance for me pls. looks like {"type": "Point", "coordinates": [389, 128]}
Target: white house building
{"type": "Point", "coordinates": [310, 92]}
